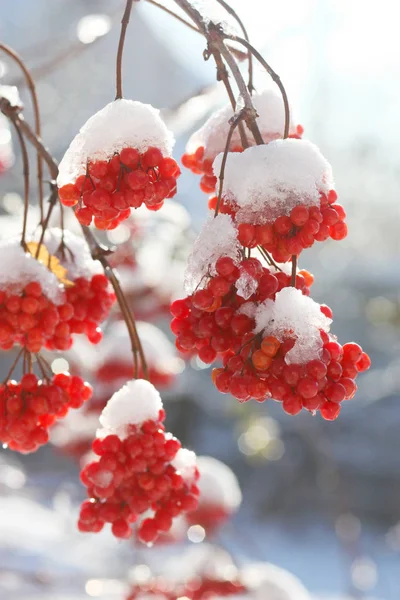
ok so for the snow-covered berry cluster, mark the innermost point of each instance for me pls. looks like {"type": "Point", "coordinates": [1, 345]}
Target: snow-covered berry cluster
{"type": "Point", "coordinates": [291, 357]}
{"type": "Point", "coordinates": [38, 308]}
{"type": "Point", "coordinates": [273, 339]}
{"type": "Point", "coordinates": [213, 319]}
{"type": "Point", "coordinates": [141, 471]}
{"type": "Point", "coordinates": [281, 197]}
{"type": "Point", "coordinates": [206, 143]}
{"type": "Point", "coordinates": [119, 160]}
{"type": "Point", "coordinates": [30, 407]}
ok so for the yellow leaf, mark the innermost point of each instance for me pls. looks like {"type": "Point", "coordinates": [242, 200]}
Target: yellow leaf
{"type": "Point", "coordinates": [49, 261]}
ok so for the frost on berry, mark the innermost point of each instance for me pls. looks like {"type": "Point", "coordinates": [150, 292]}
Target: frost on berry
{"type": "Point", "coordinates": [293, 315]}
{"type": "Point", "coordinates": [119, 160]}
{"type": "Point", "coordinates": [142, 474]}
{"type": "Point", "coordinates": [206, 143]}
{"type": "Point", "coordinates": [217, 238]}
{"type": "Point", "coordinates": [220, 494]}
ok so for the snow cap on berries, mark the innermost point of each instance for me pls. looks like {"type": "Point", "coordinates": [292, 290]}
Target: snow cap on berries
{"type": "Point", "coordinates": [218, 484]}
{"type": "Point", "coordinates": [292, 315]}
{"type": "Point", "coordinates": [217, 238]}
{"type": "Point", "coordinates": [77, 258]}
{"type": "Point", "coordinates": [120, 124]}
{"type": "Point", "coordinates": [185, 463]}
{"type": "Point", "coordinates": [271, 122]}
{"type": "Point", "coordinates": [268, 181]}
{"type": "Point", "coordinates": [18, 268]}
{"type": "Point", "coordinates": [136, 402]}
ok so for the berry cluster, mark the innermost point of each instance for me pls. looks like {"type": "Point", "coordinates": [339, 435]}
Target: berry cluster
{"type": "Point", "coordinates": [200, 588]}
{"type": "Point", "coordinates": [29, 408]}
{"type": "Point", "coordinates": [109, 189]}
{"type": "Point", "coordinates": [132, 476]}
{"type": "Point", "coordinates": [289, 235]}
{"type": "Point", "coordinates": [211, 321]}
{"type": "Point", "coordinates": [259, 371]}
{"type": "Point", "coordinates": [30, 319]}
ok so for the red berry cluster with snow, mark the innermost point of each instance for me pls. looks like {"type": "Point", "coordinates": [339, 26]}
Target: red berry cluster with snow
{"type": "Point", "coordinates": [141, 470]}
{"type": "Point", "coordinates": [214, 318]}
{"type": "Point", "coordinates": [30, 407]}
{"type": "Point", "coordinates": [273, 339]}
{"type": "Point", "coordinates": [38, 310]}
{"type": "Point", "coordinates": [281, 197]}
{"type": "Point", "coordinates": [120, 159]}
{"type": "Point", "coordinates": [291, 357]}
{"type": "Point", "coordinates": [206, 143]}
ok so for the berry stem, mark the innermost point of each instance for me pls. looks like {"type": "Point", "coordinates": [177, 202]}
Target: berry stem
{"type": "Point", "coordinates": [234, 123]}
{"type": "Point", "coordinates": [275, 77]}
{"type": "Point", "coordinates": [268, 258]}
{"type": "Point", "coordinates": [124, 26]}
{"type": "Point", "coordinates": [14, 364]}
{"type": "Point", "coordinates": [234, 14]}
{"type": "Point", "coordinates": [25, 170]}
{"type": "Point", "coordinates": [99, 253]}
{"type": "Point", "coordinates": [173, 14]}
{"type": "Point", "coordinates": [32, 88]}
{"type": "Point", "coordinates": [215, 37]}
{"type": "Point", "coordinates": [294, 270]}
{"type": "Point", "coordinates": [17, 118]}
{"type": "Point", "coordinates": [53, 199]}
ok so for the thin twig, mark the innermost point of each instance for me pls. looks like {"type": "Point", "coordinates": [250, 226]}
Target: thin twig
{"type": "Point", "coordinates": [124, 25]}
{"type": "Point", "coordinates": [99, 253]}
{"type": "Point", "coordinates": [173, 14]}
{"type": "Point", "coordinates": [25, 170]}
{"type": "Point", "coordinates": [36, 113]}
{"type": "Point", "coordinates": [234, 14]}
{"type": "Point", "coordinates": [275, 77]}
{"type": "Point", "coordinates": [14, 364]}
{"type": "Point", "coordinates": [18, 119]}
{"type": "Point", "coordinates": [269, 258]}
{"type": "Point", "coordinates": [53, 198]}
{"type": "Point", "coordinates": [294, 270]}
{"type": "Point", "coordinates": [234, 123]}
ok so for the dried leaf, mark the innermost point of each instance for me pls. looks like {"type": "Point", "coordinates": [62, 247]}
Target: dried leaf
{"type": "Point", "coordinates": [49, 261]}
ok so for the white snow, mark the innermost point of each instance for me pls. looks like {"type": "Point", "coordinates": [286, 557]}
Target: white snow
{"type": "Point", "coordinates": [120, 124]}
{"type": "Point", "coordinates": [10, 92]}
{"type": "Point", "coordinates": [267, 581]}
{"type": "Point", "coordinates": [217, 238]}
{"type": "Point", "coordinates": [77, 258]}
{"type": "Point", "coordinates": [136, 402]}
{"type": "Point", "coordinates": [293, 315]}
{"type": "Point", "coordinates": [271, 122]}
{"type": "Point", "coordinates": [185, 463]}
{"type": "Point", "coordinates": [218, 484]}
{"type": "Point", "coordinates": [268, 181]}
{"type": "Point", "coordinates": [6, 150]}
{"type": "Point", "coordinates": [248, 309]}
{"type": "Point", "coordinates": [19, 268]}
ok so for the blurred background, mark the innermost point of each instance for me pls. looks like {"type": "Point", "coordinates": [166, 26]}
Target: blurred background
{"type": "Point", "coordinates": [321, 500]}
